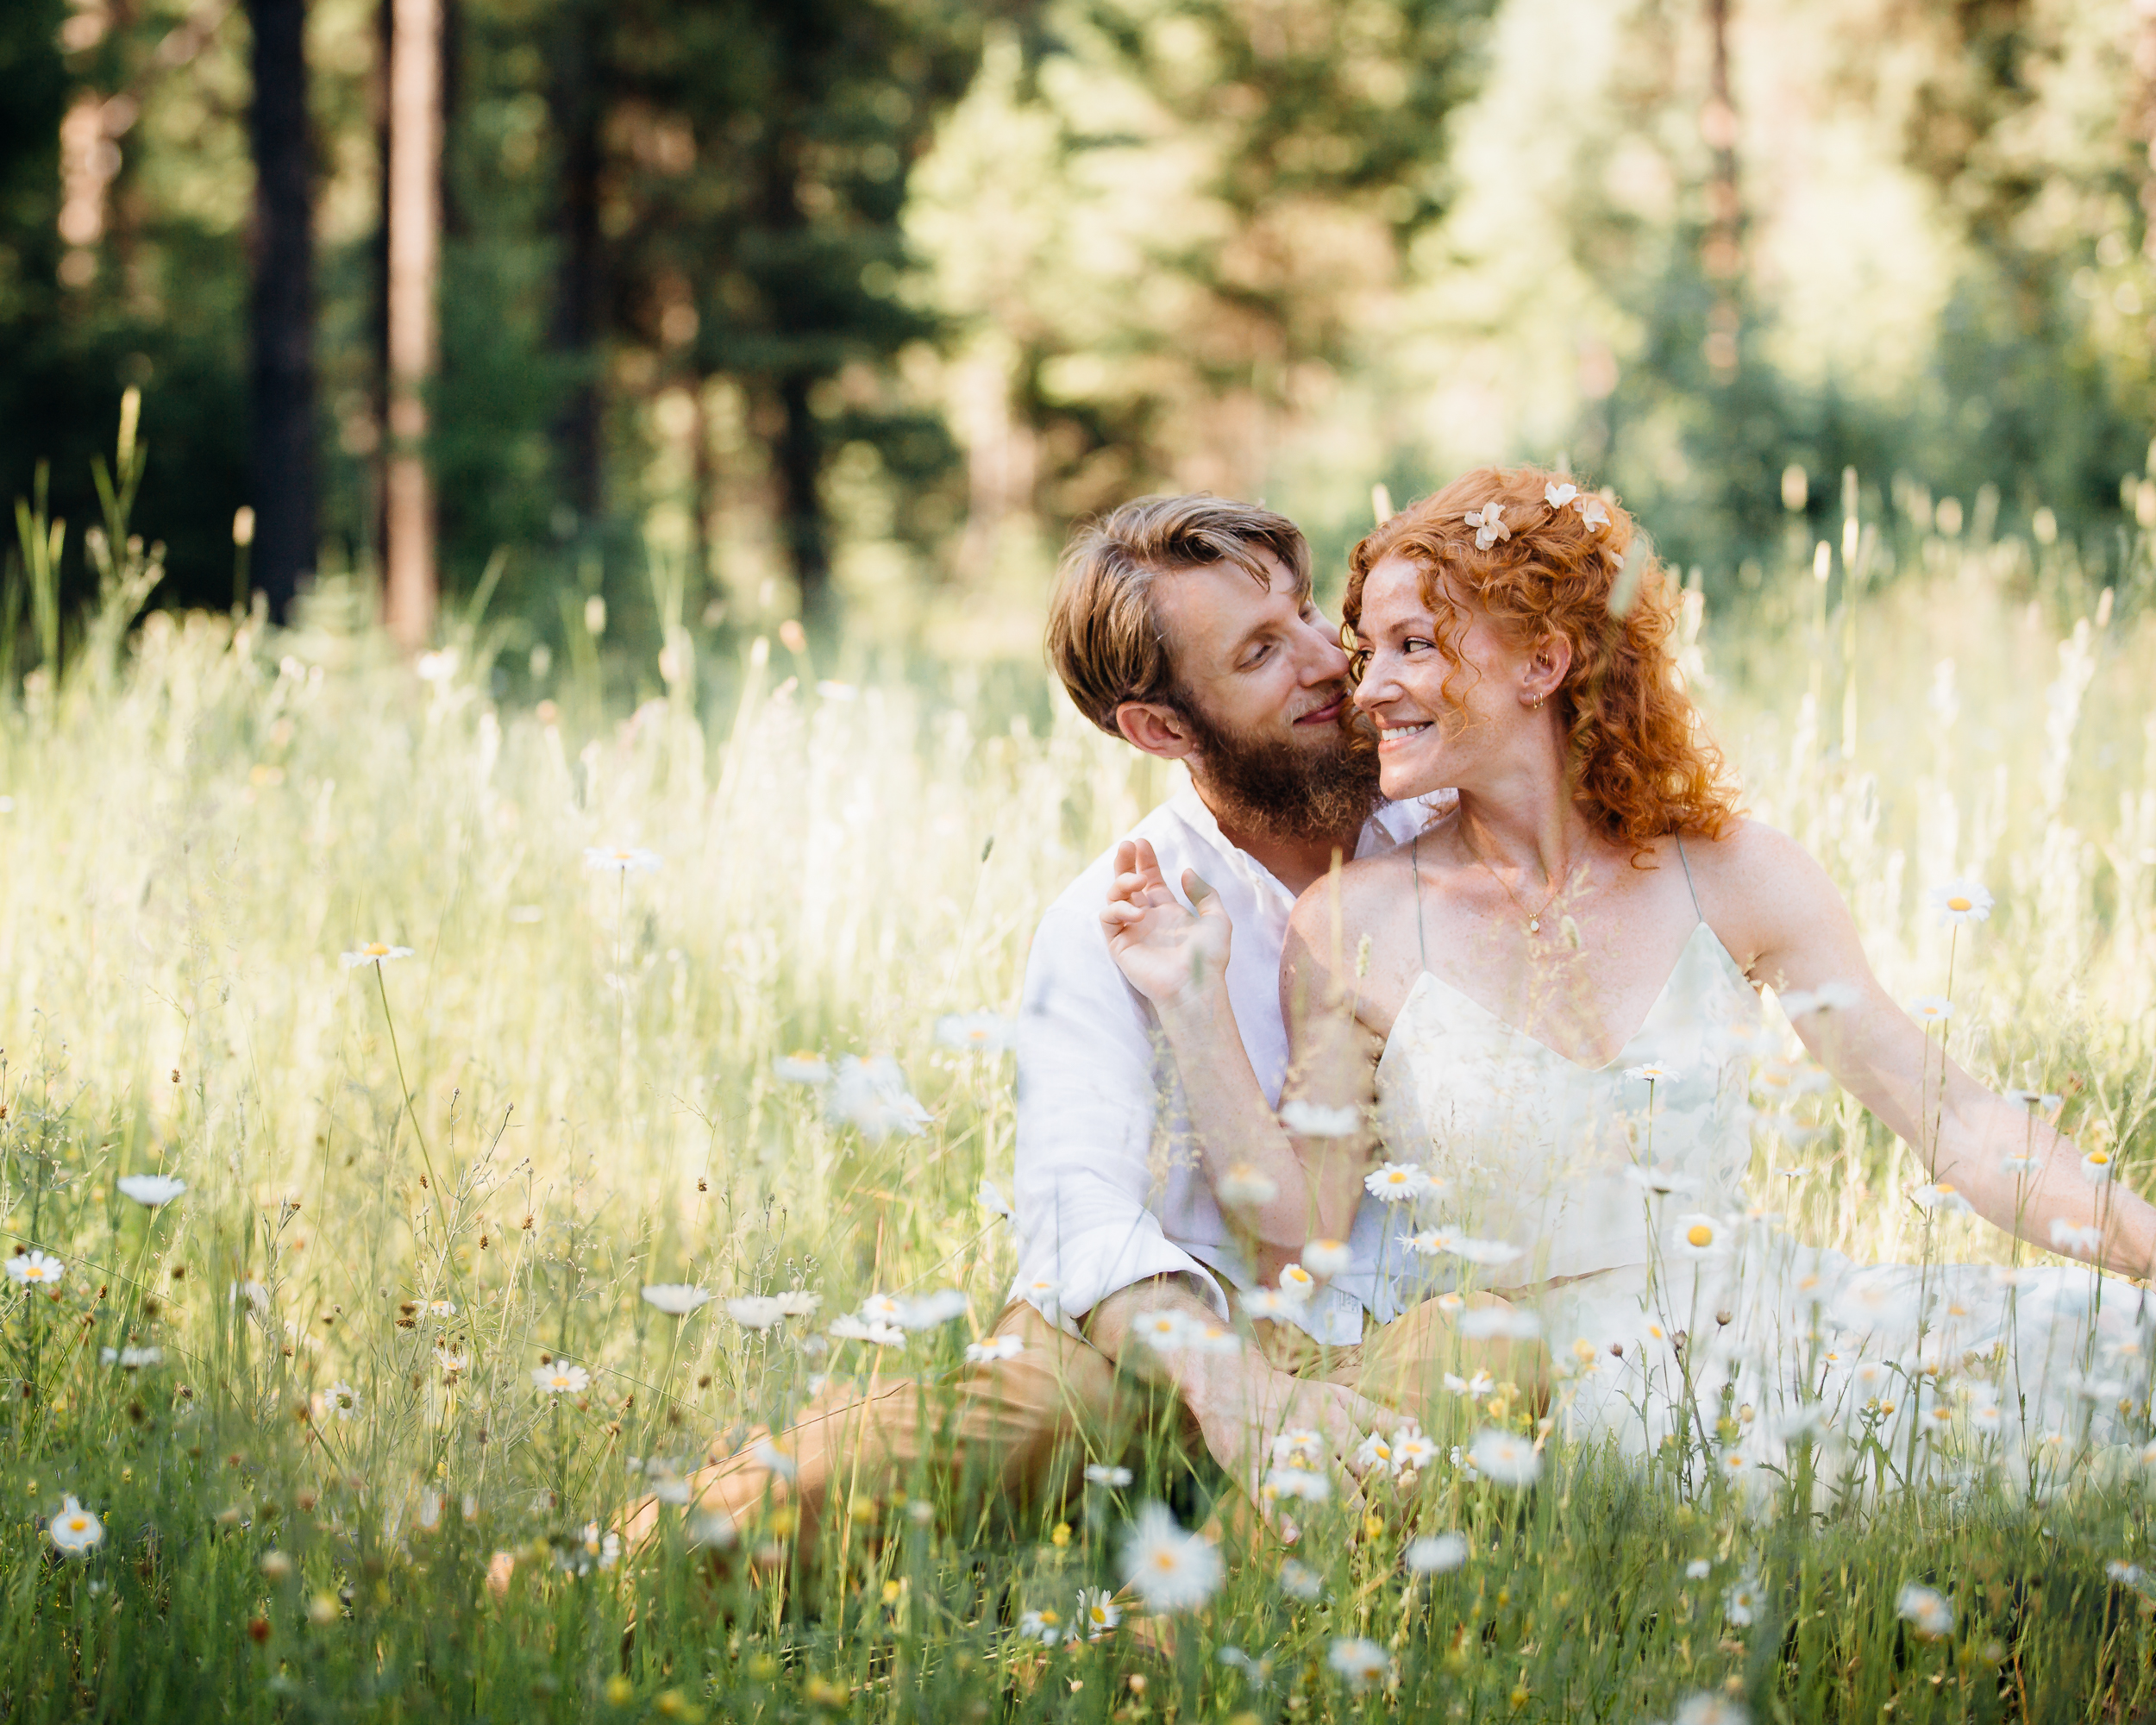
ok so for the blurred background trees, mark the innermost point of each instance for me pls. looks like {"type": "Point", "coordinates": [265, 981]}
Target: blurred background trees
{"type": "Point", "coordinates": [853, 304]}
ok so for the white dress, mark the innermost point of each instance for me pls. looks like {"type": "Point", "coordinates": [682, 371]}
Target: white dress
{"type": "Point", "coordinates": [1678, 1320]}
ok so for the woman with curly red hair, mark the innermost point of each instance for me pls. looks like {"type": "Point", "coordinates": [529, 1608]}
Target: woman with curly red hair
{"type": "Point", "coordinates": [1543, 1014]}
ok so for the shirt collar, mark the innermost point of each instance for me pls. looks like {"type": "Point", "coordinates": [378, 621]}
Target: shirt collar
{"type": "Point", "coordinates": [1392, 823]}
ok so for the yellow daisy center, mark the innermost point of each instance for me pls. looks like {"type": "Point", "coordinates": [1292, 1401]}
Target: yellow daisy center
{"type": "Point", "coordinates": [1700, 1234]}
{"type": "Point", "coordinates": [1958, 903]}
{"type": "Point", "coordinates": [1943, 1189]}
{"type": "Point", "coordinates": [77, 1523]}
{"type": "Point", "coordinates": [2099, 1158]}
{"type": "Point", "coordinates": [1049, 1617]}
{"type": "Point", "coordinates": [1163, 1560]}
{"type": "Point", "coordinates": [375, 949]}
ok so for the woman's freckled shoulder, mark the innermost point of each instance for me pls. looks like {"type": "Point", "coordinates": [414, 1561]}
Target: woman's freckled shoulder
{"type": "Point", "coordinates": [1365, 885]}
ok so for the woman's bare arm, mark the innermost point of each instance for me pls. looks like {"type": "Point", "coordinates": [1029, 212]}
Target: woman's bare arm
{"type": "Point", "coordinates": [1805, 939]}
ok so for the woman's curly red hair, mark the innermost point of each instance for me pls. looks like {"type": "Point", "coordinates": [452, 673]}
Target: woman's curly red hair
{"type": "Point", "coordinates": [1642, 763]}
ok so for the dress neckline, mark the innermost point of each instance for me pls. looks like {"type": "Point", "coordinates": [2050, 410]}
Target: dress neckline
{"type": "Point", "coordinates": [1512, 1030]}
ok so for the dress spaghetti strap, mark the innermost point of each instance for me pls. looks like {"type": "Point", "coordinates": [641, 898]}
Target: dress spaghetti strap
{"type": "Point", "coordinates": [1688, 886]}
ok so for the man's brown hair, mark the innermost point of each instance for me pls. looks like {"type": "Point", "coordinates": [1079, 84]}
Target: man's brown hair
{"type": "Point", "coordinates": [1104, 636]}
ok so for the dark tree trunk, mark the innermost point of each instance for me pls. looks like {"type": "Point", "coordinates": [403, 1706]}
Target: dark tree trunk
{"type": "Point", "coordinates": [576, 84]}
{"type": "Point", "coordinates": [284, 376]}
{"type": "Point", "coordinates": [799, 470]}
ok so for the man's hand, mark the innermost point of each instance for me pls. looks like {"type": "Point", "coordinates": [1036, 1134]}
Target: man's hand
{"type": "Point", "coordinates": [1167, 954]}
{"type": "Point", "coordinates": [1240, 1401]}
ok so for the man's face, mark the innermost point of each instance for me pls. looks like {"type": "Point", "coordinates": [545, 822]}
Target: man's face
{"type": "Point", "coordinates": [1261, 682]}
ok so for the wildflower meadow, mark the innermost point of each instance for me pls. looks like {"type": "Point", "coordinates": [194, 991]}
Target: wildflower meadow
{"type": "Point", "coordinates": [434, 1117]}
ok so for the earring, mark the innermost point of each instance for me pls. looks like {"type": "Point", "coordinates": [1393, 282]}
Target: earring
{"type": "Point", "coordinates": [1537, 701]}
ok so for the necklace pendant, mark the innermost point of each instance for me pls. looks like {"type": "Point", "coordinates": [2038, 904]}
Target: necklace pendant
{"type": "Point", "coordinates": [1534, 924]}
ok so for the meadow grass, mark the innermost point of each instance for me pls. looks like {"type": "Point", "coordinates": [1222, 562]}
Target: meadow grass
{"type": "Point", "coordinates": [411, 1182]}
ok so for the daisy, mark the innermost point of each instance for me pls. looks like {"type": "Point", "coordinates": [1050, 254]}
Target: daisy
{"type": "Point", "coordinates": [926, 1311]}
{"type": "Point", "coordinates": [1306, 1119]}
{"type": "Point", "coordinates": [802, 1068]}
{"type": "Point", "coordinates": [1361, 1661]}
{"type": "Point", "coordinates": [989, 1197]}
{"type": "Point", "coordinates": [862, 1330]}
{"type": "Point", "coordinates": [676, 1299]}
{"type": "Point", "coordinates": [2095, 1167]}
{"type": "Point", "coordinates": [976, 1033]}
{"type": "Point", "coordinates": [798, 1303]}
{"type": "Point", "coordinates": [1505, 1458]}
{"type": "Point", "coordinates": [1243, 1185]}
{"type": "Point", "coordinates": [1931, 1009]}
{"type": "Point", "coordinates": [37, 1269]}
{"type": "Point", "coordinates": [993, 1349]}
{"type": "Point", "coordinates": [1698, 1569]}
{"type": "Point", "coordinates": [1172, 1570]}
{"type": "Point", "coordinates": [1479, 1385]}
{"type": "Point", "coordinates": [1485, 1321]}
{"type": "Point", "coordinates": [1396, 1182]}
{"type": "Point", "coordinates": [134, 1358]}
{"type": "Point", "coordinates": [1959, 901]}
{"type": "Point", "coordinates": [1300, 1483]}
{"type": "Point", "coordinates": [1300, 1581]}
{"type": "Point", "coordinates": [1043, 1294]}
{"type": "Point", "coordinates": [1373, 1455]}
{"type": "Point", "coordinates": [756, 1311]}
{"type": "Point", "coordinates": [1414, 1450]}
{"type": "Point", "coordinates": [1435, 1554]}
{"type": "Point", "coordinates": [882, 1308]}
{"type": "Point", "coordinates": [1940, 1199]}
{"type": "Point", "coordinates": [1165, 1330]}
{"type": "Point", "coordinates": [2065, 1237]}
{"type": "Point", "coordinates": [1874, 1377]}
{"type": "Point", "coordinates": [75, 1529]}
{"type": "Point", "coordinates": [344, 1400]}
{"type": "Point", "coordinates": [621, 859]}
{"type": "Point", "coordinates": [1273, 1302]}
{"type": "Point", "coordinates": [1101, 1473]}
{"type": "Point", "coordinates": [1098, 1611]}
{"type": "Point", "coordinates": [1828, 997]}
{"type": "Point", "coordinates": [1298, 1447]}
{"type": "Point", "coordinates": [1043, 1626]}
{"type": "Point", "coordinates": [1214, 1338]}
{"type": "Point", "coordinates": [1432, 1242]}
{"type": "Point", "coordinates": [150, 1190]}
{"type": "Point", "coordinates": [1697, 1235]}
{"type": "Point", "coordinates": [561, 1379]}
{"type": "Point", "coordinates": [1324, 1259]}
{"type": "Point", "coordinates": [1297, 1283]}
{"type": "Point", "coordinates": [1741, 1603]}
{"type": "Point", "coordinates": [1926, 1609]}
{"type": "Point", "coordinates": [376, 953]}
{"type": "Point", "coordinates": [712, 1530]}
{"type": "Point", "coordinates": [1485, 1251]}
{"type": "Point", "coordinates": [2037, 1102]}
{"type": "Point", "coordinates": [871, 1096]}
{"type": "Point", "coordinates": [1649, 1072]}
{"type": "Point", "coordinates": [2022, 1164]}
{"type": "Point", "coordinates": [1661, 1180]}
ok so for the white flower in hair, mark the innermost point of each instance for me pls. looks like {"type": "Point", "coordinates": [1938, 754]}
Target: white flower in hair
{"type": "Point", "coordinates": [1489, 524]}
{"type": "Point", "coordinates": [1593, 515]}
{"type": "Point", "coordinates": [1558, 495]}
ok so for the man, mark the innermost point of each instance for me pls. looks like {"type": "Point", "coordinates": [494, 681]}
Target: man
{"type": "Point", "coordinates": [1184, 626]}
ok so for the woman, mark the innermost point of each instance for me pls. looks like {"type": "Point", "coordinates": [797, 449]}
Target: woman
{"type": "Point", "coordinates": [1545, 1010]}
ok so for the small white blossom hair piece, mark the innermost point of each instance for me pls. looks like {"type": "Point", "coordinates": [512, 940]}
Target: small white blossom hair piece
{"type": "Point", "coordinates": [1593, 515]}
{"type": "Point", "coordinates": [1488, 523]}
{"type": "Point", "coordinates": [1557, 496]}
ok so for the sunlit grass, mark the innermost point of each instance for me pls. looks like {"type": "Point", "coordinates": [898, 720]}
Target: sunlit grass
{"type": "Point", "coordinates": [397, 1309]}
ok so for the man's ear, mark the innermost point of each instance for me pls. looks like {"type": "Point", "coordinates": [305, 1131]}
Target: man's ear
{"type": "Point", "coordinates": [1155, 729]}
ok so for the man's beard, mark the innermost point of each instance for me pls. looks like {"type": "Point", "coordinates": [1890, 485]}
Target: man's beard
{"type": "Point", "coordinates": [1283, 787]}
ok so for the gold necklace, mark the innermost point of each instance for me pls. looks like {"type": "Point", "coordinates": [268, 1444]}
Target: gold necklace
{"type": "Point", "coordinates": [1534, 918]}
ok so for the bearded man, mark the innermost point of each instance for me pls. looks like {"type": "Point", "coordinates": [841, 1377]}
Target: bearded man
{"type": "Point", "coordinates": [1186, 626]}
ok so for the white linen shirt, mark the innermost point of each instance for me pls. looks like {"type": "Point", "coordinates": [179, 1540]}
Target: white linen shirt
{"type": "Point", "coordinates": [1109, 1188]}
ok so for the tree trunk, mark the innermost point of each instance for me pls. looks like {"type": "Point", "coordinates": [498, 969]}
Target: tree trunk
{"type": "Point", "coordinates": [577, 310]}
{"type": "Point", "coordinates": [283, 457]}
{"type": "Point", "coordinates": [415, 238]}
{"type": "Point", "coordinates": [800, 469]}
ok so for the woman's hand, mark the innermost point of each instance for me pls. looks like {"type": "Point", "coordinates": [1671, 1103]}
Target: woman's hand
{"type": "Point", "coordinates": [1169, 955]}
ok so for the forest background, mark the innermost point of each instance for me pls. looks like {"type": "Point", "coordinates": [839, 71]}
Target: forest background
{"type": "Point", "coordinates": [854, 304]}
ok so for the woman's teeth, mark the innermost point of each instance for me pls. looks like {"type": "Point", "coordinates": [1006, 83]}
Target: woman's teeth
{"type": "Point", "coordinates": [1394, 733]}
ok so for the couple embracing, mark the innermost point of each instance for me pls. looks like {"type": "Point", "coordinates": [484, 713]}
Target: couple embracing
{"type": "Point", "coordinates": [1407, 1051]}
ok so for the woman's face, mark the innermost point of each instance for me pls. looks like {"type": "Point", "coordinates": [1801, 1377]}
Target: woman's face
{"type": "Point", "coordinates": [1428, 740]}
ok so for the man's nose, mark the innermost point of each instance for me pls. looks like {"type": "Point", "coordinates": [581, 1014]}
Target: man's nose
{"type": "Point", "coordinates": [1327, 662]}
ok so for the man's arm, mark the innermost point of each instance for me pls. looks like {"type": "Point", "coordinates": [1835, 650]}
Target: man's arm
{"type": "Point", "coordinates": [1240, 1401]}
